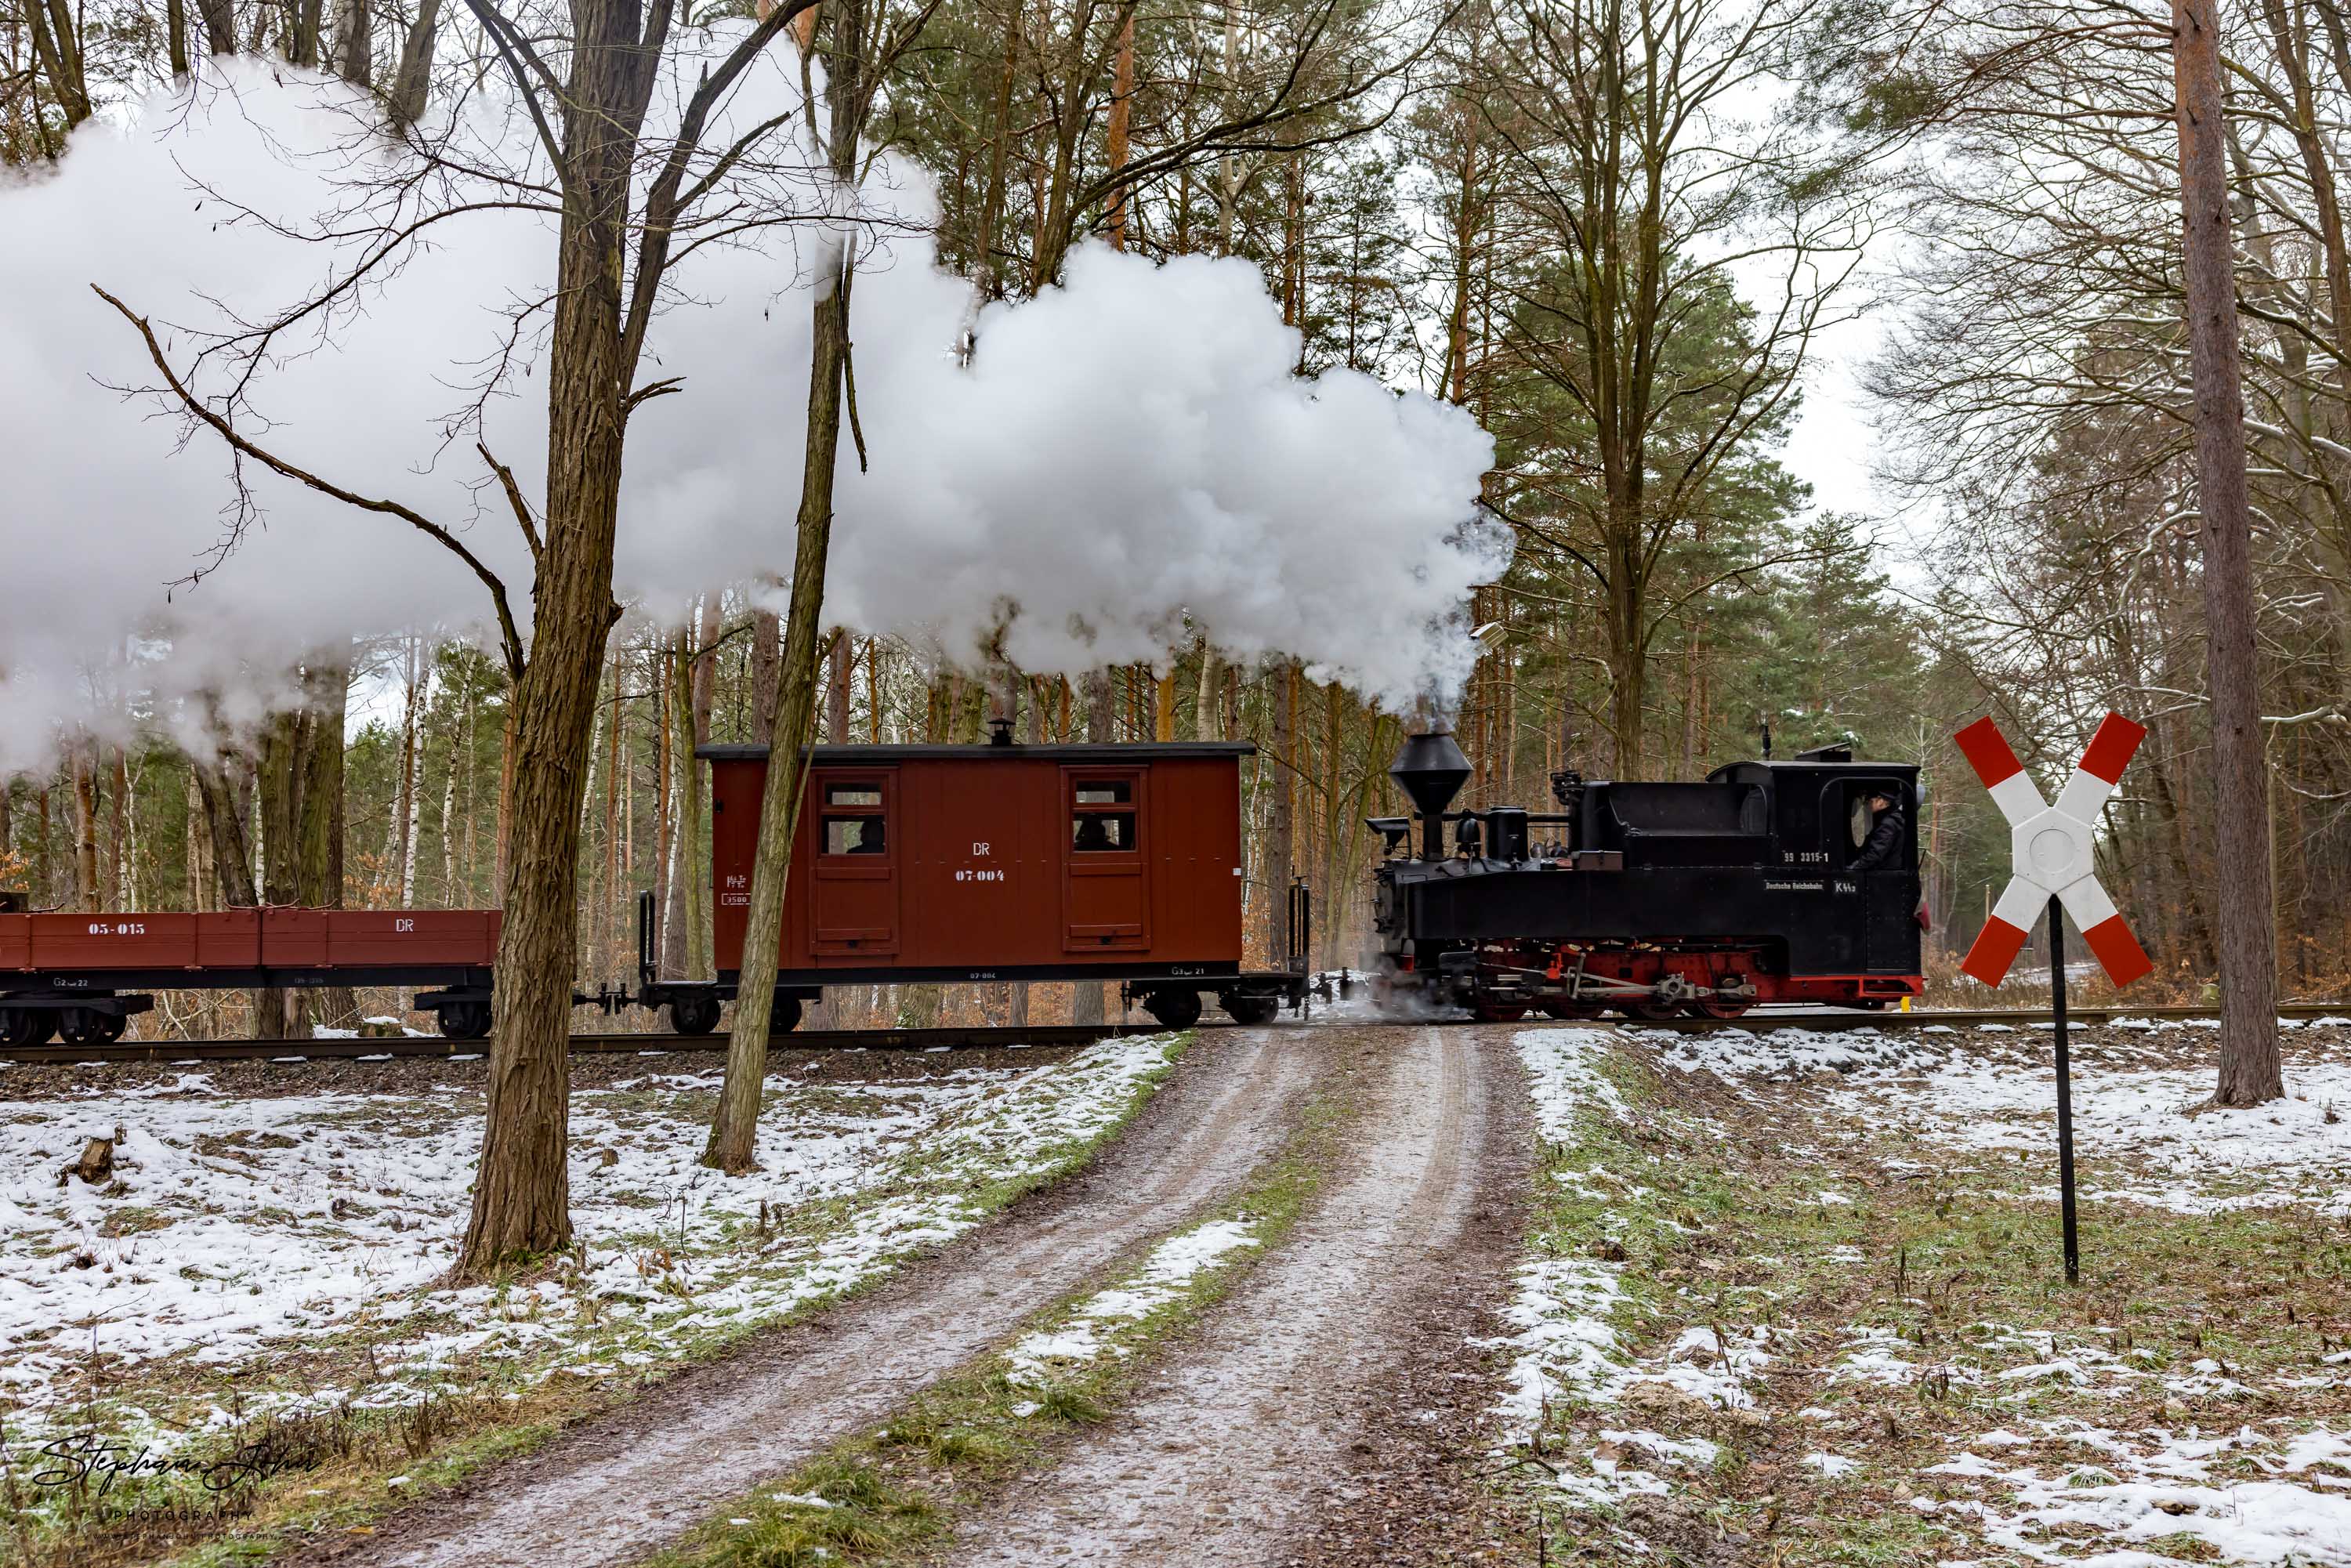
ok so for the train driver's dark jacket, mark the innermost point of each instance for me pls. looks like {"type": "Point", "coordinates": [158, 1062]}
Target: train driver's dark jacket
{"type": "Point", "coordinates": [1883, 844]}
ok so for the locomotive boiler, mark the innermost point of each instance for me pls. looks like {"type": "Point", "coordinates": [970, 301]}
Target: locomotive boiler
{"type": "Point", "coordinates": [1652, 899]}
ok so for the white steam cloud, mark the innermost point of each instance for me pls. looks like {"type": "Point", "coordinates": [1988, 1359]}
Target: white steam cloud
{"type": "Point", "coordinates": [1126, 461]}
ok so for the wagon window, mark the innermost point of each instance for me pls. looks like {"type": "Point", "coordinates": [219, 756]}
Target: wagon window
{"type": "Point", "coordinates": [853, 835]}
{"type": "Point", "coordinates": [852, 795]}
{"type": "Point", "coordinates": [1102, 817]}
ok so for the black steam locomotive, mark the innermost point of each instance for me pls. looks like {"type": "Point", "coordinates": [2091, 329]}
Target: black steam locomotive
{"type": "Point", "coordinates": [1651, 899]}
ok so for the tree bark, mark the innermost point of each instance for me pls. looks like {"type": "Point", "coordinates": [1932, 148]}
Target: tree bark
{"type": "Point", "coordinates": [734, 1131]}
{"type": "Point", "coordinates": [279, 781]}
{"type": "Point", "coordinates": [320, 876]}
{"type": "Point", "coordinates": [85, 789]}
{"type": "Point", "coordinates": [1281, 815]}
{"type": "Point", "coordinates": [175, 32]}
{"type": "Point", "coordinates": [302, 34]}
{"type": "Point", "coordinates": [1121, 95]}
{"type": "Point", "coordinates": [220, 25]}
{"type": "Point", "coordinates": [57, 46]}
{"type": "Point", "coordinates": [766, 652]}
{"type": "Point", "coordinates": [522, 1194]}
{"type": "Point", "coordinates": [2250, 1072]}
{"type": "Point", "coordinates": [414, 77]}
{"type": "Point", "coordinates": [354, 47]}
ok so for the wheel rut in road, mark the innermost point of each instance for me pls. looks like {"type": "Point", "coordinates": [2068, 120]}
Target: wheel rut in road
{"type": "Point", "coordinates": [625, 1484]}
{"type": "Point", "coordinates": [1290, 1429]}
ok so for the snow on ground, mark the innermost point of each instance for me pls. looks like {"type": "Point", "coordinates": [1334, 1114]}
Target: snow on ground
{"type": "Point", "coordinates": [2278, 1499]}
{"type": "Point", "coordinates": [2147, 1134]}
{"type": "Point", "coordinates": [1164, 1276]}
{"type": "Point", "coordinates": [1566, 1347]}
{"type": "Point", "coordinates": [238, 1231]}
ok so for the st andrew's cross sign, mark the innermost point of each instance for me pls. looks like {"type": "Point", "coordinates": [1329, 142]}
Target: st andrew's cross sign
{"type": "Point", "coordinates": [2054, 849]}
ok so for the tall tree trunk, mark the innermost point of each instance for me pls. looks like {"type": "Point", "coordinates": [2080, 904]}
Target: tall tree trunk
{"type": "Point", "coordinates": [2249, 1072]}
{"type": "Point", "coordinates": [836, 695]}
{"type": "Point", "coordinates": [414, 77]}
{"type": "Point", "coordinates": [766, 652]}
{"type": "Point", "coordinates": [522, 1194]}
{"type": "Point", "coordinates": [1090, 1004]}
{"type": "Point", "coordinates": [1282, 812]}
{"type": "Point", "coordinates": [57, 45]}
{"type": "Point", "coordinates": [734, 1131]}
{"type": "Point", "coordinates": [991, 208]}
{"type": "Point", "coordinates": [175, 33]}
{"type": "Point", "coordinates": [302, 34]}
{"type": "Point", "coordinates": [279, 781]}
{"type": "Point", "coordinates": [1121, 95]}
{"type": "Point", "coordinates": [319, 879]}
{"type": "Point", "coordinates": [354, 46]}
{"type": "Point", "coordinates": [220, 25]}
{"type": "Point", "coordinates": [84, 787]}
{"type": "Point", "coordinates": [691, 945]}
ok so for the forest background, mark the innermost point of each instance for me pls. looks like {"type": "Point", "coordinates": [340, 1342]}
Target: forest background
{"type": "Point", "coordinates": [1616, 230]}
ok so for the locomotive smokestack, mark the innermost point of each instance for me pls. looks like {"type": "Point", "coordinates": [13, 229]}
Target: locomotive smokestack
{"type": "Point", "coordinates": [1430, 769]}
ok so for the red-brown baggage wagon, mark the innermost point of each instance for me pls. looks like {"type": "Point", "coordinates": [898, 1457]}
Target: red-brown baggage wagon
{"type": "Point", "coordinates": [996, 863]}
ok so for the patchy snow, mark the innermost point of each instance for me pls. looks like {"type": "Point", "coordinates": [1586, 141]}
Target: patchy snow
{"type": "Point", "coordinates": [1831, 1465]}
{"type": "Point", "coordinates": [1165, 1275]}
{"type": "Point", "coordinates": [2159, 1120]}
{"type": "Point", "coordinates": [2250, 1497]}
{"type": "Point", "coordinates": [235, 1227]}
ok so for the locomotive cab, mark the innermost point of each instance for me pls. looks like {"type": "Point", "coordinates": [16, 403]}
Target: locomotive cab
{"type": "Point", "coordinates": [1653, 899]}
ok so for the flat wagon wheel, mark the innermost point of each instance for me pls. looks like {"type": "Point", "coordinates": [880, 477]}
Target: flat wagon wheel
{"type": "Point", "coordinates": [695, 1015]}
{"type": "Point", "coordinates": [465, 1021]}
{"type": "Point", "coordinates": [782, 1018]}
{"type": "Point", "coordinates": [1249, 1007]}
{"type": "Point", "coordinates": [1174, 1007]}
{"type": "Point", "coordinates": [84, 1026]}
{"type": "Point", "coordinates": [28, 1026]}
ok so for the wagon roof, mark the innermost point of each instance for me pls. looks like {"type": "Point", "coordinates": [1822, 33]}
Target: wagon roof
{"type": "Point", "coordinates": [1144, 751]}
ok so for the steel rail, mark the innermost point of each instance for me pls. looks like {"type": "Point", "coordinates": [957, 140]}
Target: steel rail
{"type": "Point", "coordinates": [297, 1052]}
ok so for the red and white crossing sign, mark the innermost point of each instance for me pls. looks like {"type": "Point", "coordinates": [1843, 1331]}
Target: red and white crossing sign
{"type": "Point", "coordinates": [2053, 850]}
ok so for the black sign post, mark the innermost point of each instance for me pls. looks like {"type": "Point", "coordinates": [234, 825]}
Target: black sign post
{"type": "Point", "coordinates": [2065, 1091]}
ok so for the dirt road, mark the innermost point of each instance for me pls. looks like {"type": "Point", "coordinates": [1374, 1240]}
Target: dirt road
{"type": "Point", "coordinates": [626, 1484]}
{"type": "Point", "coordinates": [1319, 1417]}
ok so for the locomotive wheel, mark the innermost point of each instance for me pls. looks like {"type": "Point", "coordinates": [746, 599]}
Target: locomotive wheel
{"type": "Point", "coordinates": [1651, 1012]}
{"type": "Point", "coordinates": [1497, 1012]}
{"type": "Point", "coordinates": [1250, 1009]}
{"type": "Point", "coordinates": [697, 1015]}
{"type": "Point", "coordinates": [28, 1026]}
{"type": "Point", "coordinates": [1173, 1006]}
{"type": "Point", "coordinates": [465, 1020]}
{"type": "Point", "coordinates": [1718, 1009]}
{"type": "Point", "coordinates": [1560, 1008]}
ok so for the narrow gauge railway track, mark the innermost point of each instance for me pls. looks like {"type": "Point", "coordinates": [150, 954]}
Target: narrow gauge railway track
{"type": "Point", "coordinates": [1955, 1018]}
{"type": "Point", "coordinates": [295, 1052]}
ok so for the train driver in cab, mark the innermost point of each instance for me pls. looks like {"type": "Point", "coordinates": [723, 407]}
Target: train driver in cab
{"type": "Point", "coordinates": [1883, 846]}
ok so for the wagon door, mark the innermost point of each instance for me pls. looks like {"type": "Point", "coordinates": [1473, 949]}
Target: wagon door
{"type": "Point", "coordinates": [853, 906]}
{"type": "Point", "coordinates": [1105, 886]}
